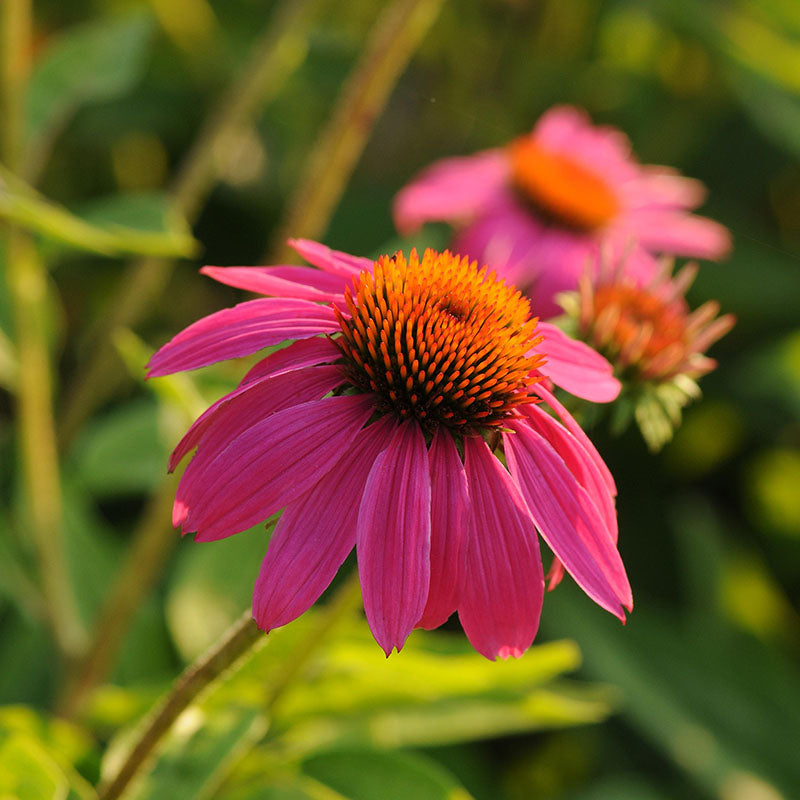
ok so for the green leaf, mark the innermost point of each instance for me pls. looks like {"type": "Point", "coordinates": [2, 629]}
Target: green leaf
{"type": "Point", "coordinates": [24, 206]}
{"type": "Point", "coordinates": [367, 774]}
{"type": "Point", "coordinates": [212, 583]}
{"type": "Point", "coordinates": [122, 452]}
{"type": "Point", "coordinates": [733, 733]}
{"type": "Point", "coordinates": [71, 742]}
{"type": "Point", "coordinates": [425, 697]}
{"type": "Point", "coordinates": [200, 751]}
{"type": "Point", "coordinates": [28, 771]}
{"type": "Point", "coordinates": [87, 64]}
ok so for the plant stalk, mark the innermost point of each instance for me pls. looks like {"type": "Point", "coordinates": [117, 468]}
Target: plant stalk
{"type": "Point", "coordinates": [393, 40]}
{"type": "Point", "coordinates": [28, 290]}
{"type": "Point", "coordinates": [240, 640]}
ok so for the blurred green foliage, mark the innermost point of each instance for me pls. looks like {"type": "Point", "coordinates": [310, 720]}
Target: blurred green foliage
{"type": "Point", "coordinates": [703, 680]}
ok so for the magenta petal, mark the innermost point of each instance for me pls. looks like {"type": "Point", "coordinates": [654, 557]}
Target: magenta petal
{"type": "Point", "coordinates": [303, 353]}
{"type": "Point", "coordinates": [269, 465]}
{"type": "Point", "coordinates": [241, 330]}
{"type": "Point", "coordinates": [300, 282]}
{"type": "Point", "coordinates": [454, 189]}
{"type": "Point", "coordinates": [666, 231]}
{"type": "Point", "coordinates": [449, 514]}
{"type": "Point", "coordinates": [502, 597]}
{"type": "Point", "coordinates": [315, 533]}
{"type": "Point", "coordinates": [243, 407]}
{"type": "Point", "coordinates": [578, 433]}
{"type": "Point", "coordinates": [567, 518]}
{"type": "Point", "coordinates": [333, 261]}
{"type": "Point", "coordinates": [393, 538]}
{"type": "Point", "coordinates": [579, 463]}
{"type": "Point", "coordinates": [574, 366]}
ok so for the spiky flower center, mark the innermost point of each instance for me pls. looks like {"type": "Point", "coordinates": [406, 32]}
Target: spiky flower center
{"type": "Point", "coordinates": [639, 323]}
{"type": "Point", "coordinates": [560, 187]}
{"type": "Point", "coordinates": [440, 340]}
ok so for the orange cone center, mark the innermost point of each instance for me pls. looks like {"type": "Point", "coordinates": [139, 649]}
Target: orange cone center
{"type": "Point", "coordinates": [560, 187]}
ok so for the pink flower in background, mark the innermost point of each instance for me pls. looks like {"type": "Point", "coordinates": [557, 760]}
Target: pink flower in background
{"type": "Point", "coordinates": [382, 426]}
{"type": "Point", "coordinates": [543, 207]}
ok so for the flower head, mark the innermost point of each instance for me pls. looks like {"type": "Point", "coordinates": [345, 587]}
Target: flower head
{"type": "Point", "coordinates": [405, 420]}
{"type": "Point", "coordinates": [539, 209]}
{"type": "Point", "coordinates": [654, 340]}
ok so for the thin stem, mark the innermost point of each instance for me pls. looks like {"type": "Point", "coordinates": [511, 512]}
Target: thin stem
{"type": "Point", "coordinates": [394, 38]}
{"type": "Point", "coordinates": [152, 542]}
{"type": "Point", "coordinates": [242, 638]}
{"type": "Point", "coordinates": [27, 284]}
{"type": "Point", "coordinates": [276, 55]}
{"type": "Point", "coordinates": [234, 644]}
{"type": "Point", "coordinates": [15, 44]}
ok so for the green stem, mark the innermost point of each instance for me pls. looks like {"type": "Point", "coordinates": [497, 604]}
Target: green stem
{"type": "Point", "coordinates": [28, 291]}
{"type": "Point", "coordinates": [394, 38]}
{"type": "Point", "coordinates": [239, 641]}
{"type": "Point", "coordinates": [276, 55]}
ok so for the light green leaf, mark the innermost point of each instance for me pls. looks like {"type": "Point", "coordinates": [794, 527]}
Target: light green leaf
{"type": "Point", "coordinates": [199, 752]}
{"type": "Point", "coordinates": [122, 452]}
{"type": "Point", "coordinates": [733, 734]}
{"type": "Point", "coordinates": [87, 64]}
{"type": "Point", "coordinates": [24, 206]}
{"type": "Point", "coordinates": [28, 771]}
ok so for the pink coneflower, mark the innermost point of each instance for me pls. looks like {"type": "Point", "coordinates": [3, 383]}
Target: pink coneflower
{"type": "Point", "coordinates": [543, 207]}
{"type": "Point", "coordinates": [388, 426]}
{"type": "Point", "coordinates": [655, 341]}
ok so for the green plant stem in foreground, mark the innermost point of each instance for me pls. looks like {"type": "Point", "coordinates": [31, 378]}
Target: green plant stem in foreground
{"type": "Point", "coordinates": [236, 643]}
{"type": "Point", "coordinates": [395, 37]}
{"type": "Point", "coordinates": [276, 55]}
{"type": "Point", "coordinates": [28, 292]}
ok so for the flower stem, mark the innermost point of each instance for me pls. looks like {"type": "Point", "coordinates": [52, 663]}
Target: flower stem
{"type": "Point", "coordinates": [394, 38]}
{"type": "Point", "coordinates": [233, 645]}
{"type": "Point", "coordinates": [238, 641]}
{"type": "Point", "coordinates": [28, 291]}
{"type": "Point", "coordinates": [276, 55]}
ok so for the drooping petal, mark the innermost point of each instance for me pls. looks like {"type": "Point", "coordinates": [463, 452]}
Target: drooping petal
{"type": "Point", "coordinates": [502, 596]}
{"type": "Point", "coordinates": [303, 353]}
{"type": "Point", "coordinates": [269, 465]}
{"type": "Point", "coordinates": [393, 537]}
{"type": "Point", "coordinates": [578, 433]}
{"type": "Point", "coordinates": [567, 518]}
{"type": "Point", "coordinates": [579, 463]}
{"type": "Point", "coordinates": [575, 366]}
{"type": "Point", "coordinates": [449, 514]}
{"type": "Point", "coordinates": [454, 189]}
{"type": "Point", "coordinates": [241, 330]}
{"type": "Point", "coordinates": [304, 283]}
{"type": "Point", "coordinates": [315, 533]}
{"type": "Point", "coordinates": [243, 407]}
{"type": "Point", "coordinates": [334, 261]}
{"type": "Point", "coordinates": [661, 187]}
{"type": "Point", "coordinates": [665, 231]}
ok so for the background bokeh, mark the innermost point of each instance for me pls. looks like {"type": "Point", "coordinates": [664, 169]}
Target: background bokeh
{"type": "Point", "coordinates": [698, 696]}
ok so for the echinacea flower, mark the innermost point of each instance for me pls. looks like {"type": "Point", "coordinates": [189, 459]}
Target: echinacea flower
{"type": "Point", "coordinates": [541, 208]}
{"type": "Point", "coordinates": [653, 339]}
{"type": "Point", "coordinates": [405, 421]}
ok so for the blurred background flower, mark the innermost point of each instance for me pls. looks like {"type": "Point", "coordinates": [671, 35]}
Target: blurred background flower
{"type": "Point", "coordinates": [549, 204]}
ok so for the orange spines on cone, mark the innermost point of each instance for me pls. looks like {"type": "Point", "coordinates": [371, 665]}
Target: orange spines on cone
{"type": "Point", "coordinates": [440, 340]}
